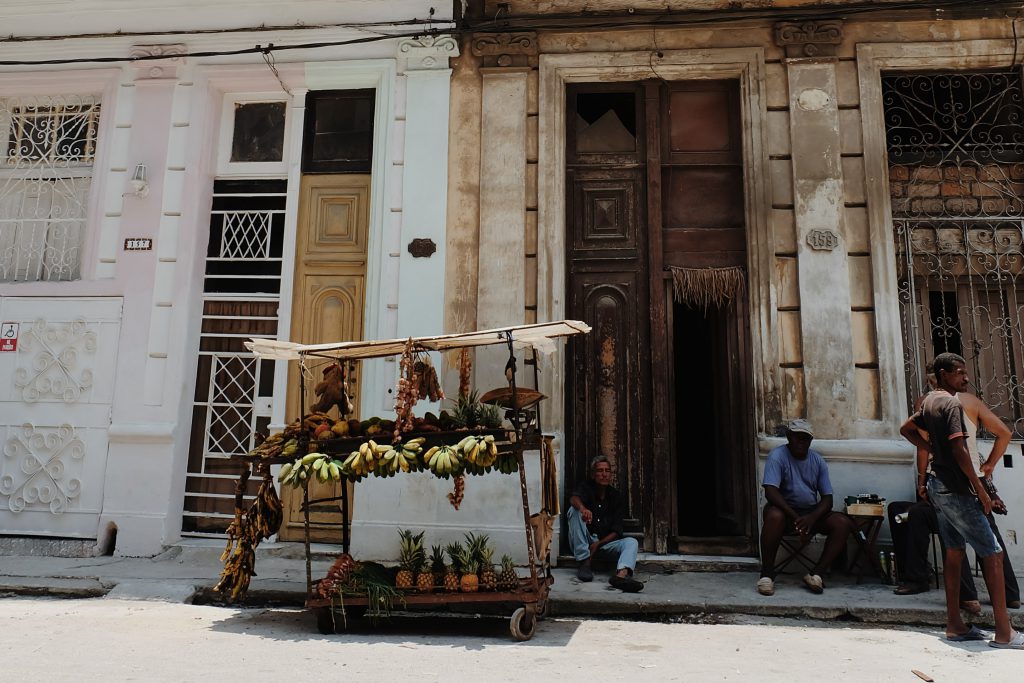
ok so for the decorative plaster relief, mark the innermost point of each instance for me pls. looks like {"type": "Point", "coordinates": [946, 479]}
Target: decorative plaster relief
{"type": "Point", "coordinates": [53, 372]}
{"type": "Point", "coordinates": [813, 99]}
{"type": "Point", "coordinates": [822, 240]}
{"type": "Point", "coordinates": [809, 38]}
{"type": "Point", "coordinates": [505, 49]}
{"type": "Point", "coordinates": [157, 62]}
{"type": "Point", "coordinates": [34, 472]}
{"type": "Point", "coordinates": [428, 52]}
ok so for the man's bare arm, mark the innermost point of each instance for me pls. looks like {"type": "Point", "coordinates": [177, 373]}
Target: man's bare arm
{"type": "Point", "coordinates": [963, 459]}
{"type": "Point", "coordinates": [910, 432]}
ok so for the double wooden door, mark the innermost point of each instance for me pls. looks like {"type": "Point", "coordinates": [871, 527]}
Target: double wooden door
{"type": "Point", "coordinates": [327, 306]}
{"type": "Point", "coordinates": [655, 182]}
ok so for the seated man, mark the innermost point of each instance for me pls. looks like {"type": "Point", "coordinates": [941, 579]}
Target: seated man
{"type": "Point", "coordinates": [595, 520]}
{"type": "Point", "coordinates": [799, 495]}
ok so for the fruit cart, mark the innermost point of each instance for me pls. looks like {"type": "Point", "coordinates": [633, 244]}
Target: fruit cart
{"type": "Point", "coordinates": [527, 595]}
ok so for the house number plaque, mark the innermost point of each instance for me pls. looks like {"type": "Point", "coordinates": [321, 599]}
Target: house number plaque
{"type": "Point", "coordinates": [822, 240]}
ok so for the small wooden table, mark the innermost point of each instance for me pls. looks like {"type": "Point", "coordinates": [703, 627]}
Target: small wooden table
{"type": "Point", "coordinates": [865, 533]}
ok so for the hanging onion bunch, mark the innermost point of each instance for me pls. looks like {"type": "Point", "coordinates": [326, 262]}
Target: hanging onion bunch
{"type": "Point", "coordinates": [407, 392]}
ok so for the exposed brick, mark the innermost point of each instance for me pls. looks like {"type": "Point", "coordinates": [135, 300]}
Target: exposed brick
{"type": "Point", "coordinates": [928, 173]}
{"type": "Point", "coordinates": [994, 172]}
{"type": "Point", "coordinates": [1017, 171]}
{"type": "Point", "coordinates": [897, 189]}
{"type": "Point", "coordinates": [985, 190]}
{"type": "Point", "coordinates": [899, 173]}
{"type": "Point", "coordinates": [923, 190]}
{"type": "Point", "coordinates": [958, 172]}
{"type": "Point", "coordinates": [955, 189]}
{"type": "Point", "coordinates": [926, 206]}
{"type": "Point", "coordinates": [899, 206]}
{"type": "Point", "coordinates": [962, 206]}
{"type": "Point", "coordinates": [996, 207]}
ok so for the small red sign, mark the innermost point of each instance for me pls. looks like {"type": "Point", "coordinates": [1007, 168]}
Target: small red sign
{"type": "Point", "coordinates": [8, 336]}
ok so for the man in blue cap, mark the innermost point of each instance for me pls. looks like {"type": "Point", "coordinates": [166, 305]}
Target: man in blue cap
{"type": "Point", "coordinates": [799, 494]}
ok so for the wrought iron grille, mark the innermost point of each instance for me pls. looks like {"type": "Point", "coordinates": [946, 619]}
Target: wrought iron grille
{"type": "Point", "coordinates": [47, 148]}
{"type": "Point", "coordinates": [956, 171]}
{"type": "Point", "coordinates": [233, 388]}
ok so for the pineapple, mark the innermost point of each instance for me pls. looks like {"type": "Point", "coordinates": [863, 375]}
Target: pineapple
{"type": "Point", "coordinates": [509, 579]}
{"type": "Point", "coordinates": [470, 582]}
{"type": "Point", "coordinates": [437, 565]}
{"type": "Point", "coordinates": [488, 577]}
{"type": "Point", "coordinates": [451, 577]}
{"type": "Point", "coordinates": [424, 577]}
{"type": "Point", "coordinates": [409, 558]}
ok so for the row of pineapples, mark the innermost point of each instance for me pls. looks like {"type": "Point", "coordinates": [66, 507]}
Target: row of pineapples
{"type": "Point", "coordinates": [471, 568]}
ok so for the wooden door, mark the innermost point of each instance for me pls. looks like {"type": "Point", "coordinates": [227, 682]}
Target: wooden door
{"type": "Point", "coordinates": [705, 396]}
{"type": "Point", "coordinates": [607, 287]}
{"type": "Point", "coordinates": [327, 306]}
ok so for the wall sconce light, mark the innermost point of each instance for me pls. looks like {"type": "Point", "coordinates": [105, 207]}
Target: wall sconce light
{"type": "Point", "coordinates": [140, 186]}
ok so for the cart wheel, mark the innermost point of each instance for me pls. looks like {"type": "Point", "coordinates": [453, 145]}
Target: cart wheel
{"type": "Point", "coordinates": [324, 620]}
{"type": "Point", "coordinates": [522, 624]}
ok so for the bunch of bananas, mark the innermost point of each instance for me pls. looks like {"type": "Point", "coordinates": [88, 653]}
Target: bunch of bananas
{"type": "Point", "coordinates": [262, 520]}
{"type": "Point", "coordinates": [478, 453]}
{"type": "Point", "coordinates": [312, 466]}
{"type": "Point", "coordinates": [507, 463]}
{"type": "Point", "coordinates": [444, 461]}
{"type": "Point", "coordinates": [401, 456]}
{"type": "Point", "coordinates": [364, 461]}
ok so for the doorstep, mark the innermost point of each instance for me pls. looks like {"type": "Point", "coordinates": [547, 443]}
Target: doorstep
{"type": "Point", "coordinates": [652, 563]}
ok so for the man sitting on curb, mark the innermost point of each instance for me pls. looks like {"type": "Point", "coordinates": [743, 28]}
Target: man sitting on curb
{"type": "Point", "coordinates": [799, 495]}
{"type": "Point", "coordinates": [595, 519]}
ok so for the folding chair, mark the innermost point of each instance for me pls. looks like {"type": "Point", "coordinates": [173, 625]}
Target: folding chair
{"type": "Point", "coordinates": [795, 547]}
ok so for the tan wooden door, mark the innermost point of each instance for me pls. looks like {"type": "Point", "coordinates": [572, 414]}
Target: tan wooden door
{"type": "Point", "coordinates": [327, 306]}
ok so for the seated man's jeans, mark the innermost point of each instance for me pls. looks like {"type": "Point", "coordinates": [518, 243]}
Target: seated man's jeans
{"type": "Point", "coordinates": [580, 539]}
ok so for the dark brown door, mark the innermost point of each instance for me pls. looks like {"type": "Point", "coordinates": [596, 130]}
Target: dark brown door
{"type": "Point", "coordinates": [607, 273]}
{"type": "Point", "coordinates": [663, 388]}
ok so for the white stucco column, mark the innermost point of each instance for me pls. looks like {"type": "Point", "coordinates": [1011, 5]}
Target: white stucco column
{"type": "Point", "coordinates": [824, 276]}
{"type": "Point", "coordinates": [422, 262]}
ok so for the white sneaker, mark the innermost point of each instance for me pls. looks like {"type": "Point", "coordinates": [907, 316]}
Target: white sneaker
{"type": "Point", "coordinates": [765, 586]}
{"type": "Point", "coordinates": [814, 583]}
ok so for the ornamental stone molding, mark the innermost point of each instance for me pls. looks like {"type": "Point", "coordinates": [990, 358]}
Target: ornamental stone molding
{"type": "Point", "coordinates": [809, 39]}
{"type": "Point", "coordinates": [157, 62]}
{"type": "Point", "coordinates": [505, 49]}
{"type": "Point", "coordinates": [427, 52]}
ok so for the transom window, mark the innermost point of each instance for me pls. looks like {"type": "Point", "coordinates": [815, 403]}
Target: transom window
{"type": "Point", "coordinates": [47, 148]}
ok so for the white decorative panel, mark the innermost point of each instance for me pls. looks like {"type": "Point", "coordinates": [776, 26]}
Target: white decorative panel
{"type": "Point", "coordinates": [56, 393]}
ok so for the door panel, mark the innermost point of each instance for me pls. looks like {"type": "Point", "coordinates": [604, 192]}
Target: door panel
{"type": "Point", "coordinates": [57, 389]}
{"type": "Point", "coordinates": [327, 306]}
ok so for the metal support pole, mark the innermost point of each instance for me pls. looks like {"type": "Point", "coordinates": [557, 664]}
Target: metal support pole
{"type": "Point", "coordinates": [517, 426]}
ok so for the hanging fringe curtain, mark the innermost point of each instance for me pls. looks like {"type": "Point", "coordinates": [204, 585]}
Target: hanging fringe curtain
{"type": "Point", "coordinates": [706, 287]}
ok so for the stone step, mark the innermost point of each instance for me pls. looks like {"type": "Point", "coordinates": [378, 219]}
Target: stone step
{"type": "Point", "coordinates": [669, 564]}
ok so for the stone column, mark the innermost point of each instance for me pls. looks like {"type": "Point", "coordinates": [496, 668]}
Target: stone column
{"type": "Point", "coordinates": [823, 270]}
{"type": "Point", "coordinates": [501, 278]}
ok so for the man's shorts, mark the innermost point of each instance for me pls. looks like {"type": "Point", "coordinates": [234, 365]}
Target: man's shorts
{"type": "Point", "coordinates": [962, 519]}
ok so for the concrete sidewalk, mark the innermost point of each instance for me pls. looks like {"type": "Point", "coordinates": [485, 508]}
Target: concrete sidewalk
{"type": "Point", "coordinates": [186, 572]}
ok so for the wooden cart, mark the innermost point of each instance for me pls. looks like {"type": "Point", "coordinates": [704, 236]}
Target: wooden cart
{"type": "Point", "coordinates": [530, 599]}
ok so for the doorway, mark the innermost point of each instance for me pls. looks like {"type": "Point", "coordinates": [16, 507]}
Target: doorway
{"type": "Point", "coordinates": [662, 386]}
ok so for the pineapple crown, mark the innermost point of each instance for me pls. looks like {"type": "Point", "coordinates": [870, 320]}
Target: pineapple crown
{"type": "Point", "coordinates": [456, 552]}
{"type": "Point", "coordinates": [437, 558]}
{"type": "Point", "coordinates": [506, 562]}
{"type": "Point", "coordinates": [487, 556]}
{"type": "Point", "coordinates": [410, 554]}
{"type": "Point", "coordinates": [476, 544]}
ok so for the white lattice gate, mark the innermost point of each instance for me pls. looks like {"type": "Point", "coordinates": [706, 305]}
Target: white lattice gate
{"type": "Point", "coordinates": [56, 391]}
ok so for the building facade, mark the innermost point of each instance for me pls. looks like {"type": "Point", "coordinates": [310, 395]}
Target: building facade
{"type": "Point", "coordinates": [168, 190]}
{"type": "Point", "coordinates": [766, 211]}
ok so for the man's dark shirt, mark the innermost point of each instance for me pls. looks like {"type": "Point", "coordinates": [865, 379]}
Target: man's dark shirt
{"type": "Point", "coordinates": [942, 416]}
{"type": "Point", "coordinates": [608, 514]}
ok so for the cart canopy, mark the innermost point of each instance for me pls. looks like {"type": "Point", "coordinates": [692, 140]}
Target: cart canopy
{"type": "Point", "coordinates": [540, 336]}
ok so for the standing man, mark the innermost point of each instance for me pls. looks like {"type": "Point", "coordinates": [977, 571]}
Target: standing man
{"type": "Point", "coordinates": [960, 500]}
{"type": "Point", "coordinates": [799, 494]}
{"type": "Point", "coordinates": [595, 518]}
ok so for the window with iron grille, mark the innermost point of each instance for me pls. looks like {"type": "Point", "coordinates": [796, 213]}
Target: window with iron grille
{"type": "Point", "coordinates": [955, 143]}
{"type": "Point", "coordinates": [241, 294]}
{"type": "Point", "coordinates": [47, 148]}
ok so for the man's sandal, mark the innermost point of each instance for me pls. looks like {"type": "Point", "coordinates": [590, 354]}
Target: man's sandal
{"type": "Point", "coordinates": [1016, 643]}
{"type": "Point", "coordinates": [973, 633]}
